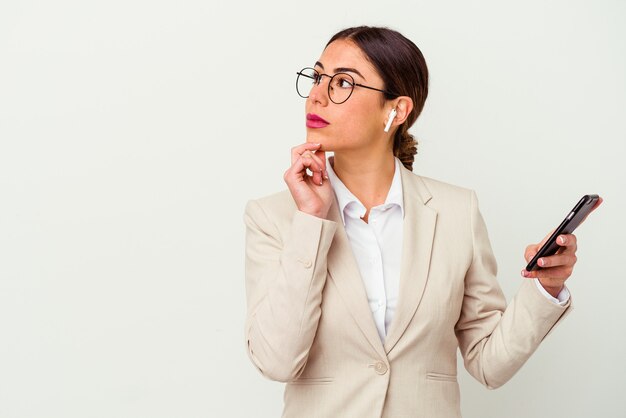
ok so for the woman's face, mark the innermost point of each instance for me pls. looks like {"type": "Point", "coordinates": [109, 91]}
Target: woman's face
{"type": "Point", "coordinates": [357, 123]}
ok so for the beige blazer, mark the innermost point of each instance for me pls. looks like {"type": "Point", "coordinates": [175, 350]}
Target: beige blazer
{"type": "Point", "coordinates": [309, 323]}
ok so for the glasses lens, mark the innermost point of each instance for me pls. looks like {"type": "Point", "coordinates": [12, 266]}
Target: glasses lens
{"type": "Point", "coordinates": [305, 81]}
{"type": "Point", "coordinates": [340, 87]}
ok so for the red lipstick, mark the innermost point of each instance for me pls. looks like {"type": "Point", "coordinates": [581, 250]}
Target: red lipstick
{"type": "Point", "coordinates": [315, 121]}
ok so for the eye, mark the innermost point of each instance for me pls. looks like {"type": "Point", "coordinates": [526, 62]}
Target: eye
{"type": "Point", "coordinates": [343, 82]}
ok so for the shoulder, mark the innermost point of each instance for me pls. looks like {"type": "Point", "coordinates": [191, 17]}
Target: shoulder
{"type": "Point", "coordinates": [442, 189]}
{"type": "Point", "coordinates": [435, 193]}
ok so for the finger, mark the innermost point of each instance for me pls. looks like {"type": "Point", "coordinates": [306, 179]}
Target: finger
{"type": "Point", "coordinates": [561, 273]}
{"type": "Point", "coordinates": [532, 249]}
{"type": "Point", "coordinates": [297, 151]}
{"type": "Point", "coordinates": [316, 177]}
{"type": "Point", "coordinates": [315, 157]}
{"type": "Point", "coordinates": [312, 162]}
{"type": "Point", "coordinates": [294, 173]}
{"type": "Point", "coordinates": [530, 252]}
{"type": "Point", "coordinates": [299, 167]}
{"type": "Point", "coordinates": [322, 155]}
{"type": "Point", "coordinates": [565, 259]}
{"type": "Point", "coordinates": [567, 243]}
{"type": "Point", "coordinates": [308, 161]}
{"type": "Point", "coordinates": [319, 159]}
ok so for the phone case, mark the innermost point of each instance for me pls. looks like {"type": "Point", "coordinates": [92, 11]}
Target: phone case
{"type": "Point", "coordinates": [569, 224]}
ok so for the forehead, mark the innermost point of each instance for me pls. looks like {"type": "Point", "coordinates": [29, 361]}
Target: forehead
{"type": "Point", "coordinates": [346, 54]}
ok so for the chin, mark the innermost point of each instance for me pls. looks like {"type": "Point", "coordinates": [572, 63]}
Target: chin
{"type": "Point", "coordinates": [317, 138]}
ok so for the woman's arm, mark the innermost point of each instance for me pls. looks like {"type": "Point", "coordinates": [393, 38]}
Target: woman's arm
{"type": "Point", "coordinates": [285, 276]}
{"type": "Point", "coordinates": [495, 339]}
{"type": "Point", "coordinates": [286, 269]}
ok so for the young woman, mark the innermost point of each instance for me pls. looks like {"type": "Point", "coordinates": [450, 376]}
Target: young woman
{"type": "Point", "coordinates": [363, 279]}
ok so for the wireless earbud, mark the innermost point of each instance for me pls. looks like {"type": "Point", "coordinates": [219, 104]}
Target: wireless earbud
{"type": "Point", "coordinates": [392, 116]}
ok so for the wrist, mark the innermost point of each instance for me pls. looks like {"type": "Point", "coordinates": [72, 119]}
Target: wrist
{"type": "Point", "coordinates": [323, 215]}
{"type": "Point", "coordinates": [317, 213]}
{"type": "Point", "coordinates": [552, 290]}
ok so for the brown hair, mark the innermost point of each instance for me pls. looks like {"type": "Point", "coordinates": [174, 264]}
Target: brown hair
{"type": "Point", "coordinates": [403, 69]}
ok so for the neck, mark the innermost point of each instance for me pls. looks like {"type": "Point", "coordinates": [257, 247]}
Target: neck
{"type": "Point", "coordinates": [368, 177]}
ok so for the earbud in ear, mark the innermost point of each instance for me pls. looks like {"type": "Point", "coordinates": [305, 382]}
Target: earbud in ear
{"type": "Point", "coordinates": [392, 116]}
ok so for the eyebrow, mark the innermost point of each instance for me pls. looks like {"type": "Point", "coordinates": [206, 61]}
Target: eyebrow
{"type": "Point", "coordinates": [342, 70]}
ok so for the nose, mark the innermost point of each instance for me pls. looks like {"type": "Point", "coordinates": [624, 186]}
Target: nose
{"type": "Point", "coordinates": [319, 92]}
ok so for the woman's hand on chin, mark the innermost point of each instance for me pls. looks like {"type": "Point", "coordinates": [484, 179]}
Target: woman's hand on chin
{"type": "Point", "coordinates": [312, 193]}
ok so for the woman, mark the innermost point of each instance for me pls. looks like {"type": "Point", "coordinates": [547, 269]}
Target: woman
{"type": "Point", "coordinates": [363, 279]}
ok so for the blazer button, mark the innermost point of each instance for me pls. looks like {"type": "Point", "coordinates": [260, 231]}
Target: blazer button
{"type": "Point", "coordinates": [305, 262]}
{"type": "Point", "coordinates": [380, 367]}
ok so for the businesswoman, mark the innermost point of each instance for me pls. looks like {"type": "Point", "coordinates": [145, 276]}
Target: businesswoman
{"type": "Point", "coordinates": [363, 278]}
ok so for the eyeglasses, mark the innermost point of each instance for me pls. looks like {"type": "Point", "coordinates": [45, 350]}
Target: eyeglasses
{"type": "Point", "coordinates": [340, 85]}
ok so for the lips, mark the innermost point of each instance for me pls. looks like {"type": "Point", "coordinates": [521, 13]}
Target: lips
{"type": "Point", "coordinates": [315, 121]}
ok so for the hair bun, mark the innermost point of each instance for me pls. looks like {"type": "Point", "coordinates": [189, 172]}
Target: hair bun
{"type": "Point", "coordinates": [405, 147]}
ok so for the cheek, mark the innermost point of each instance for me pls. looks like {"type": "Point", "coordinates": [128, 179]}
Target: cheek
{"type": "Point", "coordinates": [362, 108]}
{"type": "Point", "coordinates": [362, 121]}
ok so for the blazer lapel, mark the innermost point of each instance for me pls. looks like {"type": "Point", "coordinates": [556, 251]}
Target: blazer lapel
{"type": "Point", "coordinates": [417, 242]}
{"type": "Point", "coordinates": [345, 274]}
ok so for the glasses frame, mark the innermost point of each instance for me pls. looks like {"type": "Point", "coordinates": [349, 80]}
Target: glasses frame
{"type": "Point", "coordinates": [330, 80]}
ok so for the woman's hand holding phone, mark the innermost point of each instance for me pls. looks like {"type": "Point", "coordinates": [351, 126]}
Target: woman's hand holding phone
{"type": "Point", "coordinates": [554, 269]}
{"type": "Point", "coordinates": [313, 194]}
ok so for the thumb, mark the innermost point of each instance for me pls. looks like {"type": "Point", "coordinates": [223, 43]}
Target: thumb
{"type": "Point", "coordinates": [532, 249]}
{"type": "Point", "coordinates": [530, 252]}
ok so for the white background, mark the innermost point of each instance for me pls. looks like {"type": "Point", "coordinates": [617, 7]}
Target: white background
{"type": "Point", "coordinates": [133, 132]}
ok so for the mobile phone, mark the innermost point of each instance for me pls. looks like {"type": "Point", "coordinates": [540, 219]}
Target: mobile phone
{"type": "Point", "coordinates": [569, 224]}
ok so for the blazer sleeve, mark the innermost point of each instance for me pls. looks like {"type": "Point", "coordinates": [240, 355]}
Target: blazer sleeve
{"type": "Point", "coordinates": [285, 275]}
{"type": "Point", "coordinates": [495, 339]}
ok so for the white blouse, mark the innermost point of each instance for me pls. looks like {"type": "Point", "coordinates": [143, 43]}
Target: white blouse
{"type": "Point", "coordinates": [377, 245]}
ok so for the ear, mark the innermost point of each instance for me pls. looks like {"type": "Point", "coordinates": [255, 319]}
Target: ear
{"type": "Point", "coordinates": [403, 106]}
